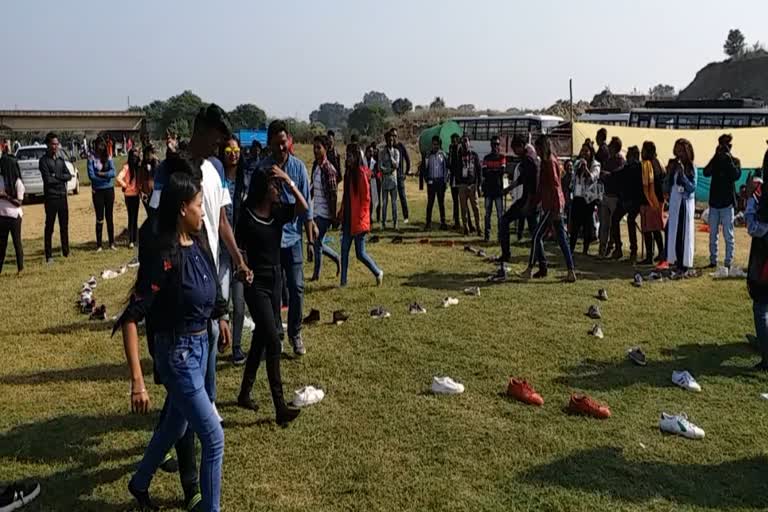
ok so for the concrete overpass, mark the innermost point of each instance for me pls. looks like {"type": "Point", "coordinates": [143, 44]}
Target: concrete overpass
{"type": "Point", "coordinates": [83, 121]}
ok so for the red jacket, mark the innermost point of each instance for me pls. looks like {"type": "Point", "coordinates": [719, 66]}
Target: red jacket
{"type": "Point", "coordinates": [550, 191]}
{"type": "Point", "coordinates": [357, 198]}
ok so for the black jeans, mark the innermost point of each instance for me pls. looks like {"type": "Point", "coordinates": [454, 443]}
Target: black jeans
{"type": "Point", "coordinates": [455, 198]}
{"type": "Point", "coordinates": [11, 226]}
{"type": "Point", "coordinates": [582, 215]}
{"type": "Point", "coordinates": [56, 207]}
{"type": "Point", "coordinates": [631, 212]}
{"type": "Point", "coordinates": [104, 204]}
{"type": "Point", "coordinates": [401, 193]}
{"type": "Point", "coordinates": [132, 205]}
{"type": "Point", "coordinates": [516, 212]}
{"type": "Point", "coordinates": [436, 190]}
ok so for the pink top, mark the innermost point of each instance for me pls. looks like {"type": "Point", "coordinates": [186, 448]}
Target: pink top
{"type": "Point", "coordinates": [8, 209]}
{"type": "Point", "coordinates": [130, 188]}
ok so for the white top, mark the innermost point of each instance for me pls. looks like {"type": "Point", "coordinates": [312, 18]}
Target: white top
{"type": "Point", "coordinates": [319, 201]}
{"type": "Point", "coordinates": [8, 209]}
{"type": "Point", "coordinates": [215, 197]}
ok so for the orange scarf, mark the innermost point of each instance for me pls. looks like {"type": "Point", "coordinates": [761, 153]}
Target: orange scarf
{"type": "Point", "coordinates": [648, 189]}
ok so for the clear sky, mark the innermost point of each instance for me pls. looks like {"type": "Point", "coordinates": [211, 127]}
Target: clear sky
{"type": "Point", "coordinates": [289, 56]}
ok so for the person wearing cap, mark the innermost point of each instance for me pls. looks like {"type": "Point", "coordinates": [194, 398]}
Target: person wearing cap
{"type": "Point", "coordinates": [725, 170]}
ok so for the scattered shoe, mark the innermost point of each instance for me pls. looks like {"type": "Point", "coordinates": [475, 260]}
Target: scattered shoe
{"type": "Point", "coordinates": [721, 273]}
{"type": "Point", "coordinates": [88, 307]}
{"type": "Point", "coordinates": [446, 386]}
{"type": "Point", "coordinates": [380, 313]}
{"type": "Point", "coordinates": [339, 317]}
{"type": "Point", "coordinates": [298, 346]}
{"type": "Point", "coordinates": [308, 395]}
{"type": "Point", "coordinates": [637, 281]}
{"type": "Point", "coordinates": [91, 283]}
{"type": "Point", "coordinates": [397, 240]}
{"type": "Point", "coordinates": [602, 294]}
{"type": "Point", "coordinates": [473, 291]}
{"type": "Point", "coordinates": [686, 381]}
{"type": "Point", "coordinates": [680, 426]}
{"type": "Point", "coordinates": [570, 277]}
{"type": "Point", "coordinates": [594, 313]}
{"type": "Point", "coordinates": [450, 301]}
{"type": "Point", "coordinates": [663, 265]}
{"type": "Point", "coordinates": [133, 263]}
{"type": "Point", "coordinates": [737, 273]}
{"type": "Point", "coordinates": [374, 239]}
{"type": "Point", "coordinates": [597, 332]}
{"type": "Point", "coordinates": [18, 494]}
{"type": "Point", "coordinates": [417, 309]}
{"type": "Point", "coordinates": [113, 274]}
{"type": "Point", "coordinates": [482, 254]}
{"type": "Point", "coordinates": [521, 391]}
{"type": "Point", "coordinates": [655, 277]}
{"type": "Point", "coordinates": [312, 318]}
{"type": "Point", "coordinates": [100, 313]}
{"type": "Point", "coordinates": [637, 356]}
{"type": "Point", "coordinates": [248, 323]}
{"type": "Point", "coordinates": [586, 406]}
{"type": "Point", "coordinates": [286, 415]}
{"type": "Point", "coordinates": [691, 274]}
{"type": "Point", "coordinates": [469, 248]}
{"type": "Point", "coordinates": [238, 356]}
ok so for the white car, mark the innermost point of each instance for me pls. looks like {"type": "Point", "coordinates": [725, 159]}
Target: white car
{"type": "Point", "coordinates": [29, 163]}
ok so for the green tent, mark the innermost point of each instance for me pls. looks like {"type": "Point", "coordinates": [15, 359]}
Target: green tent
{"type": "Point", "coordinates": [444, 131]}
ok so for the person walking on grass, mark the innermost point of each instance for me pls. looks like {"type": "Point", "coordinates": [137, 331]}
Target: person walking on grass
{"type": "Point", "coordinates": [177, 291]}
{"type": "Point", "coordinates": [128, 179]}
{"type": "Point", "coordinates": [260, 230]}
{"type": "Point", "coordinates": [725, 170]}
{"type": "Point", "coordinates": [680, 186]}
{"type": "Point", "coordinates": [101, 172]}
{"type": "Point", "coordinates": [492, 185]}
{"type": "Point", "coordinates": [55, 175]}
{"type": "Point", "coordinates": [292, 252]}
{"type": "Point", "coordinates": [610, 202]}
{"type": "Point", "coordinates": [585, 195]}
{"type": "Point", "coordinates": [524, 207]}
{"type": "Point", "coordinates": [333, 154]}
{"type": "Point", "coordinates": [371, 153]}
{"type": "Point", "coordinates": [436, 170]}
{"type": "Point", "coordinates": [652, 204]}
{"type": "Point", "coordinates": [389, 163]}
{"type": "Point", "coordinates": [756, 217]}
{"type": "Point", "coordinates": [324, 190]}
{"type": "Point", "coordinates": [11, 198]}
{"type": "Point", "coordinates": [467, 180]}
{"type": "Point", "coordinates": [550, 196]}
{"type": "Point", "coordinates": [403, 171]}
{"type": "Point", "coordinates": [354, 215]}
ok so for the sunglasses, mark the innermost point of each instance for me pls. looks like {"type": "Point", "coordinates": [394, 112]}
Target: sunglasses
{"type": "Point", "coordinates": [229, 151]}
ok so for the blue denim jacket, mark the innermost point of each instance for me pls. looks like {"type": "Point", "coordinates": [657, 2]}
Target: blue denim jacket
{"type": "Point", "coordinates": [101, 182]}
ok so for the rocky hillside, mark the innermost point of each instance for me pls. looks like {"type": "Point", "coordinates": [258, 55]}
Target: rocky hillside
{"type": "Point", "coordinates": [739, 78]}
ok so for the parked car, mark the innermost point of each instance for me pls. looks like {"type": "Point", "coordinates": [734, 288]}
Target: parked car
{"type": "Point", "coordinates": [29, 160]}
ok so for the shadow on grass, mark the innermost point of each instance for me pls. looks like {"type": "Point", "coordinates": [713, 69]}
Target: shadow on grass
{"type": "Point", "coordinates": [83, 325]}
{"type": "Point", "coordinates": [700, 360]}
{"type": "Point", "coordinates": [606, 471]}
{"type": "Point", "coordinates": [99, 373]}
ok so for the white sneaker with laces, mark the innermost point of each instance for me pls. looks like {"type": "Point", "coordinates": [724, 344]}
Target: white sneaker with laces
{"type": "Point", "coordinates": [216, 412]}
{"type": "Point", "coordinates": [450, 301]}
{"type": "Point", "coordinates": [308, 395]}
{"type": "Point", "coordinates": [686, 381]}
{"type": "Point", "coordinates": [446, 386]}
{"type": "Point", "coordinates": [737, 273]}
{"type": "Point", "coordinates": [680, 426]}
{"type": "Point", "coordinates": [721, 273]}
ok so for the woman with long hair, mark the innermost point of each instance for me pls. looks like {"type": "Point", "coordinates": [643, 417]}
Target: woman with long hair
{"type": "Point", "coordinates": [355, 214]}
{"type": "Point", "coordinates": [177, 291]}
{"type": "Point", "coordinates": [652, 203]}
{"type": "Point", "coordinates": [128, 181]}
{"type": "Point", "coordinates": [680, 185]}
{"type": "Point", "coordinates": [323, 187]}
{"type": "Point", "coordinates": [101, 171]}
{"type": "Point", "coordinates": [550, 195]}
{"type": "Point", "coordinates": [11, 197]}
{"type": "Point", "coordinates": [146, 175]}
{"type": "Point", "coordinates": [585, 196]}
{"type": "Point", "coordinates": [260, 232]}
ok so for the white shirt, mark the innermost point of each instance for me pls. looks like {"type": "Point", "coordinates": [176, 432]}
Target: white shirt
{"type": "Point", "coordinates": [8, 209]}
{"type": "Point", "coordinates": [319, 201]}
{"type": "Point", "coordinates": [215, 197]}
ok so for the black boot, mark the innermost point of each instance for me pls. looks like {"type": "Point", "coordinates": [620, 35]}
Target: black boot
{"type": "Point", "coordinates": [542, 273]}
{"type": "Point", "coordinates": [648, 238]}
{"type": "Point", "coordinates": [283, 414]}
{"type": "Point", "coordinates": [244, 399]}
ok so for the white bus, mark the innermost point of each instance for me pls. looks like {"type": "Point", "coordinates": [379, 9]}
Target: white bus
{"type": "Point", "coordinates": [480, 129]}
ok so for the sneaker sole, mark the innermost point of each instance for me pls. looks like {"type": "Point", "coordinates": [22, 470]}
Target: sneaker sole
{"type": "Point", "coordinates": [27, 499]}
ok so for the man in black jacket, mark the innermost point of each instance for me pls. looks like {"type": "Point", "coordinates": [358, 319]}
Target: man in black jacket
{"type": "Point", "coordinates": [56, 175]}
{"type": "Point", "coordinates": [403, 170]}
{"type": "Point", "coordinates": [725, 170]}
{"type": "Point", "coordinates": [628, 182]}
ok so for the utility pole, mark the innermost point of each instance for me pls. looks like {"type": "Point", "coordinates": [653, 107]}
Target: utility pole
{"type": "Point", "coordinates": [570, 86]}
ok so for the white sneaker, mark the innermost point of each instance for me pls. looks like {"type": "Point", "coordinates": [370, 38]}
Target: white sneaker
{"type": "Point", "coordinates": [737, 273]}
{"type": "Point", "coordinates": [248, 323]}
{"type": "Point", "coordinates": [405, 221]}
{"type": "Point", "coordinates": [380, 278]}
{"type": "Point", "coordinates": [721, 273]}
{"type": "Point", "coordinates": [109, 274]}
{"type": "Point", "coordinates": [417, 309]}
{"type": "Point", "coordinates": [308, 395]}
{"type": "Point", "coordinates": [91, 282]}
{"type": "Point", "coordinates": [446, 386]}
{"type": "Point", "coordinates": [686, 381]}
{"type": "Point", "coordinates": [450, 301]}
{"type": "Point", "coordinates": [216, 412]}
{"type": "Point", "coordinates": [473, 291]}
{"type": "Point", "coordinates": [379, 313]}
{"type": "Point", "coordinates": [680, 426]}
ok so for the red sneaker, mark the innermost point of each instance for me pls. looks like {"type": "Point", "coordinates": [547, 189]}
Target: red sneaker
{"type": "Point", "coordinates": [663, 265]}
{"type": "Point", "coordinates": [585, 405]}
{"type": "Point", "coordinates": [522, 391]}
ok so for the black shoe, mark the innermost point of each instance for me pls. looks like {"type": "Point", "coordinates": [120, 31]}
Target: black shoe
{"type": "Point", "coordinates": [18, 494]}
{"type": "Point", "coordinates": [142, 497]}
{"type": "Point", "coordinates": [428, 227]}
{"type": "Point", "coordinates": [397, 240]}
{"type": "Point", "coordinates": [646, 262]}
{"type": "Point", "coordinates": [194, 503]}
{"type": "Point", "coordinates": [238, 356]}
{"type": "Point", "coordinates": [246, 402]}
{"type": "Point", "coordinates": [169, 464]}
{"type": "Point", "coordinates": [632, 259]}
{"type": "Point", "coordinates": [541, 274]}
{"type": "Point", "coordinates": [443, 227]}
{"type": "Point", "coordinates": [617, 255]}
{"type": "Point", "coordinates": [374, 239]}
{"type": "Point", "coordinates": [312, 318]}
{"type": "Point", "coordinates": [711, 265]}
{"type": "Point", "coordinates": [339, 317]}
{"type": "Point", "coordinates": [285, 415]}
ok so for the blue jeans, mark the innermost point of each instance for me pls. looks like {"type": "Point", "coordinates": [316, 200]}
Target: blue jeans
{"type": "Point", "coordinates": [346, 245]}
{"type": "Point", "coordinates": [181, 363]}
{"type": "Point", "coordinates": [321, 248]}
{"type": "Point", "coordinates": [386, 196]}
{"type": "Point", "coordinates": [760, 312]}
{"type": "Point", "coordinates": [489, 204]}
{"type": "Point", "coordinates": [292, 261]}
{"type": "Point", "coordinates": [537, 250]}
{"type": "Point", "coordinates": [721, 217]}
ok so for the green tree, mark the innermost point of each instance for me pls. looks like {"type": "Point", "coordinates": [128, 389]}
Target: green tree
{"type": "Point", "coordinates": [332, 115]}
{"type": "Point", "coordinates": [376, 98]}
{"type": "Point", "coordinates": [368, 120]}
{"type": "Point", "coordinates": [437, 104]}
{"type": "Point", "coordinates": [247, 116]}
{"type": "Point", "coordinates": [735, 44]}
{"type": "Point", "coordinates": [179, 113]}
{"type": "Point", "coordinates": [466, 109]}
{"type": "Point", "coordinates": [402, 106]}
{"type": "Point", "coordinates": [662, 91]}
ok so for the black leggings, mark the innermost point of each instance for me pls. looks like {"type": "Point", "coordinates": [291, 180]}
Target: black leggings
{"type": "Point", "coordinates": [104, 203]}
{"type": "Point", "coordinates": [11, 226]}
{"type": "Point", "coordinates": [132, 204]}
{"type": "Point", "coordinates": [582, 215]}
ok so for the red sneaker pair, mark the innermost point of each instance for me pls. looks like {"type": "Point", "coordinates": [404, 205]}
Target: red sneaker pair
{"type": "Point", "coordinates": [579, 404]}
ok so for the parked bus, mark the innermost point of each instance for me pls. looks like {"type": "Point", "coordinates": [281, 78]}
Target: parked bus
{"type": "Point", "coordinates": [700, 114]}
{"type": "Point", "coordinates": [481, 129]}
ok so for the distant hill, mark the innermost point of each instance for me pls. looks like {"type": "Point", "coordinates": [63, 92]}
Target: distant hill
{"type": "Point", "coordinates": [740, 78]}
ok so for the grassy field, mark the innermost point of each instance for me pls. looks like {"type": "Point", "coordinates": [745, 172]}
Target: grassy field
{"type": "Point", "coordinates": [380, 441]}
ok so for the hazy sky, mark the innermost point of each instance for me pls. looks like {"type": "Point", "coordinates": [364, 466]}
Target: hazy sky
{"type": "Point", "coordinates": [289, 56]}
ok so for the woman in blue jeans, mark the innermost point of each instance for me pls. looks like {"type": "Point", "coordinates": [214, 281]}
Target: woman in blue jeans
{"type": "Point", "coordinates": [180, 279]}
{"type": "Point", "coordinates": [324, 190]}
{"type": "Point", "coordinates": [355, 214]}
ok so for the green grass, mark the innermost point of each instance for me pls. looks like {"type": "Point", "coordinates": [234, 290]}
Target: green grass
{"type": "Point", "coordinates": [379, 441]}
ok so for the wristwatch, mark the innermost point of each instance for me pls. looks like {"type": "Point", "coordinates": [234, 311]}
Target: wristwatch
{"type": "Point", "coordinates": [291, 183]}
